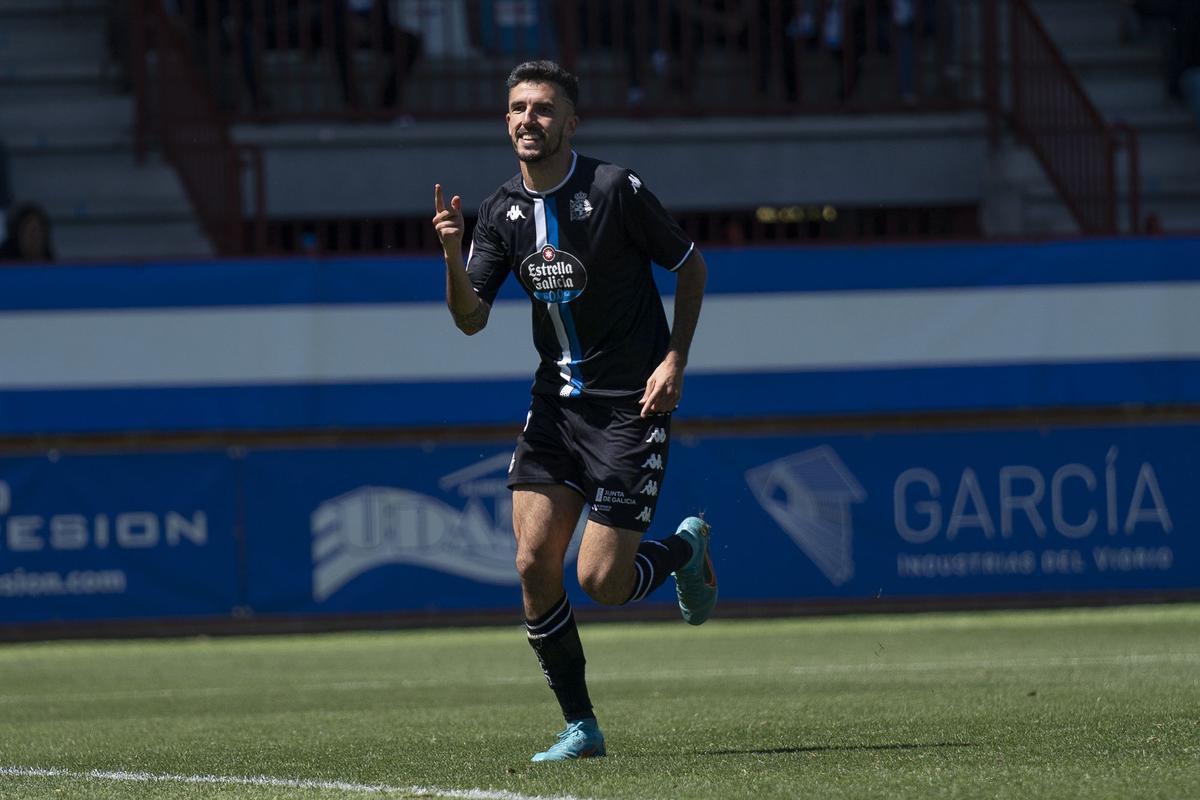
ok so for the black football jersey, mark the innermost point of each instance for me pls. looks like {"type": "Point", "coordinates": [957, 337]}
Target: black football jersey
{"type": "Point", "coordinates": [583, 252]}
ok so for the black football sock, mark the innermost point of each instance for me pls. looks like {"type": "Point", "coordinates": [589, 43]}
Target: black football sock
{"type": "Point", "coordinates": [555, 639]}
{"type": "Point", "coordinates": [656, 560]}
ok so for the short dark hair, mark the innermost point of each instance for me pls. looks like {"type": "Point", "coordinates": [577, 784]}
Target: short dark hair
{"type": "Point", "coordinates": [545, 72]}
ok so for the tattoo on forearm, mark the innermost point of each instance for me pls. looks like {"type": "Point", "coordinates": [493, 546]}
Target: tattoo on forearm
{"type": "Point", "coordinates": [473, 321]}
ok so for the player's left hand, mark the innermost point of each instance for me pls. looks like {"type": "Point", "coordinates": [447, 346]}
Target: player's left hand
{"type": "Point", "coordinates": [664, 387]}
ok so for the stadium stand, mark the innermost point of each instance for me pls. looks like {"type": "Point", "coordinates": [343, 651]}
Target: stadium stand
{"type": "Point", "coordinates": [70, 138]}
{"type": "Point", "coordinates": [323, 121]}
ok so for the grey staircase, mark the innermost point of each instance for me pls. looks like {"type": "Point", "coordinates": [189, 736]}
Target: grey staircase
{"type": "Point", "coordinates": [67, 126]}
{"type": "Point", "coordinates": [1123, 75]}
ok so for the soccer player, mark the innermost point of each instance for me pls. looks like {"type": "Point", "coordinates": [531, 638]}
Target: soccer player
{"type": "Point", "coordinates": [580, 236]}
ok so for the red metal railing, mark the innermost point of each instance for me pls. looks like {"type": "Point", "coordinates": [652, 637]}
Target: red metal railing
{"type": "Point", "coordinates": [176, 109]}
{"type": "Point", "coordinates": [1053, 115]}
{"type": "Point", "coordinates": [730, 227]}
{"type": "Point", "coordinates": [270, 60]}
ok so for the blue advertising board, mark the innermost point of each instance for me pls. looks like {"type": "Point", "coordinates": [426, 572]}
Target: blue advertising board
{"type": "Point", "coordinates": [380, 529]}
{"type": "Point", "coordinates": [935, 514]}
{"type": "Point", "coordinates": [97, 537]}
{"type": "Point", "coordinates": [427, 528]}
{"type": "Point", "coordinates": [948, 514]}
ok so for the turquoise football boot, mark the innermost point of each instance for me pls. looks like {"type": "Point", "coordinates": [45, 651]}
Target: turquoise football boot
{"type": "Point", "coordinates": [695, 581]}
{"type": "Point", "coordinates": [582, 739]}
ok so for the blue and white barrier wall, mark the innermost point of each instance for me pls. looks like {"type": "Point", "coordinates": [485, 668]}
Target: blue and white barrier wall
{"type": "Point", "coordinates": [299, 344]}
{"type": "Point", "coordinates": [306, 345]}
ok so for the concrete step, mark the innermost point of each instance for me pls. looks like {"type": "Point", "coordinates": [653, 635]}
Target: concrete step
{"type": "Point", "coordinates": [65, 80]}
{"type": "Point", "coordinates": [1115, 94]}
{"type": "Point", "coordinates": [1168, 145]}
{"type": "Point", "coordinates": [108, 240]}
{"type": "Point", "coordinates": [1092, 60]}
{"type": "Point", "coordinates": [117, 208]}
{"type": "Point", "coordinates": [52, 8]}
{"type": "Point", "coordinates": [48, 38]}
{"type": "Point", "coordinates": [94, 180]}
{"type": "Point", "coordinates": [1176, 205]}
{"type": "Point", "coordinates": [69, 68]}
{"type": "Point", "coordinates": [66, 141]}
{"type": "Point", "coordinates": [1073, 23]}
{"type": "Point", "coordinates": [88, 121]}
{"type": "Point", "coordinates": [1055, 220]}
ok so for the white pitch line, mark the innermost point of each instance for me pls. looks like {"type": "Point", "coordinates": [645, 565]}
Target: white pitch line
{"type": "Point", "coordinates": [280, 783]}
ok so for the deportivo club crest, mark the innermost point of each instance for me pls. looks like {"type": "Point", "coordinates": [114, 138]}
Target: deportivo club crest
{"type": "Point", "coordinates": [580, 207]}
{"type": "Point", "coordinates": [553, 275]}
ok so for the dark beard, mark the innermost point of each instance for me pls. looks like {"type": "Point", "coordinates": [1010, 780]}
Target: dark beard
{"type": "Point", "coordinates": [550, 148]}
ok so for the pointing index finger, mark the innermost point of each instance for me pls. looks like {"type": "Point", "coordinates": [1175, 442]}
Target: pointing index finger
{"type": "Point", "coordinates": [438, 205]}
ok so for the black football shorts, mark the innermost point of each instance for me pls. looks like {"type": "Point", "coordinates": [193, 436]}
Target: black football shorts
{"type": "Point", "coordinates": [612, 456]}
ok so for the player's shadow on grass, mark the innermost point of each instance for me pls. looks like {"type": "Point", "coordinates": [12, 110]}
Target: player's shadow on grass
{"type": "Point", "coordinates": [822, 748]}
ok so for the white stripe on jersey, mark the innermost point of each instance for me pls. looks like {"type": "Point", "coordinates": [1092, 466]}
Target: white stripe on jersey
{"type": "Point", "coordinates": [685, 257]}
{"type": "Point", "coordinates": [539, 222]}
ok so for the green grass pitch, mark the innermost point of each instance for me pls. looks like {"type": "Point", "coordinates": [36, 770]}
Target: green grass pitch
{"type": "Point", "coordinates": [1098, 703]}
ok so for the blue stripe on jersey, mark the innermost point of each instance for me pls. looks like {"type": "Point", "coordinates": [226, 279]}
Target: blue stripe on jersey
{"type": "Point", "coordinates": [550, 204]}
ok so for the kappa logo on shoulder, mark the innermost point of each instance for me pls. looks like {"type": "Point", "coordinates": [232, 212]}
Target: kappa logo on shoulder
{"type": "Point", "coordinates": [635, 182]}
{"type": "Point", "coordinates": [515, 213]}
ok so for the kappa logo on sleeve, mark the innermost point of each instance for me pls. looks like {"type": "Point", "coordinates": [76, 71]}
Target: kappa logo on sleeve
{"type": "Point", "coordinates": [635, 182]}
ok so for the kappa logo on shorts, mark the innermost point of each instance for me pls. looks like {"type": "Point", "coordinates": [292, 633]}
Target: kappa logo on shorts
{"type": "Point", "coordinates": [653, 461]}
{"type": "Point", "coordinates": [657, 436]}
{"type": "Point", "coordinates": [375, 526]}
{"type": "Point", "coordinates": [645, 515]}
{"type": "Point", "coordinates": [651, 489]}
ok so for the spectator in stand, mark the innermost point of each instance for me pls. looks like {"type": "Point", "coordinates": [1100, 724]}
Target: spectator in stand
{"type": "Point", "coordinates": [1185, 57]}
{"type": "Point", "coordinates": [371, 27]}
{"type": "Point", "coordinates": [283, 25]}
{"type": "Point", "coordinates": [28, 235]}
{"type": "Point", "coordinates": [764, 31]}
{"type": "Point", "coordinates": [1181, 18]}
{"type": "Point", "coordinates": [825, 22]}
{"type": "Point", "coordinates": [906, 17]}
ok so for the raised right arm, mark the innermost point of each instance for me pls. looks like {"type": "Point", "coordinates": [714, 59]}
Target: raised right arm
{"type": "Point", "coordinates": [469, 311]}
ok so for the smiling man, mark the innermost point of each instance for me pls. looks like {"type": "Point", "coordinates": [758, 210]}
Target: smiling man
{"type": "Point", "coordinates": [581, 236]}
